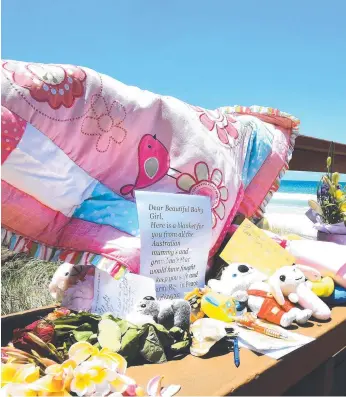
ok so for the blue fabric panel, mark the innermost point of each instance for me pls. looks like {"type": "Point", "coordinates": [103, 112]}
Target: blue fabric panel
{"type": "Point", "coordinates": [105, 207]}
{"type": "Point", "coordinates": [258, 150]}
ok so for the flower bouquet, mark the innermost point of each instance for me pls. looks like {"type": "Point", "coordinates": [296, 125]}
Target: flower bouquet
{"type": "Point", "coordinates": [329, 212]}
{"type": "Point", "coordinates": [51, 357]}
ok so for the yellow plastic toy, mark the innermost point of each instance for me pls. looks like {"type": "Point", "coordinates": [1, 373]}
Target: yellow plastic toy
{"type": "Point", "coordinates": [218, 306]}
{"type": "Point", "coordinates": [194, 298]}
{"type": "Point", "coordinates": [324, 287]}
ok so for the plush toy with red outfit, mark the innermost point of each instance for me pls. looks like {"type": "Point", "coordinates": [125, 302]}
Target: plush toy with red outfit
{"type": "Point", "coordinates": [264, 305]}
{"type": "Point", "coordinates": [243, 282]}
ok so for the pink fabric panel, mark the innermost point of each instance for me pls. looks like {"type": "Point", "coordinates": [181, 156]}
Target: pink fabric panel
{"type": "Point", "coordinates": [105, 240]}
{"type": "Point", "coordinates": [99, 104]}
{"type": "Point", "coordinates": [110, 129]}
{"type": "Point", "coordinates": [256, 192]}
{"type": "Point", "coordinates": [28, 217]}
{"type": "Point", "coordinates": [12, 129]}
{"type": "Point", "coordinates": [228, 224]}
{"type": "Point", "coordinates": [262, 183]}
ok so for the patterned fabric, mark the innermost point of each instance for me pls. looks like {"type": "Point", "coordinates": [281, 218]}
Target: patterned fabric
{"type": "Point", "coordinates": [77, 144]}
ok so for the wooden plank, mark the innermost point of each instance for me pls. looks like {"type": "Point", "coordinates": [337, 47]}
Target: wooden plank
{"type": "Point", "coordinates": [257, 374]}
{"type": "Point", "coordinates": [19, 320]}
{"type": "Point", "coordinates": [218, 375]}
{"type": "Point", "coordinates": [310, 154]}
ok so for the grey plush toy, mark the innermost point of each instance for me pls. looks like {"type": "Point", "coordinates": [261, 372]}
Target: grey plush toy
{"type": "Point", "coordinates": [169, 313]}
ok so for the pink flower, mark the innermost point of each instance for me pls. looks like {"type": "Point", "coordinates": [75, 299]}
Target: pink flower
{"type": "Point", "coordinates": [104, 121]}
{"type": "Point", "coordinates": [203, 184]}
{"type": "Point", "coordinates": [49, 83]}
{"type": "Point", "coordinates": [212, 119]}
{"type": "Point", "coordinates": [154, 388]}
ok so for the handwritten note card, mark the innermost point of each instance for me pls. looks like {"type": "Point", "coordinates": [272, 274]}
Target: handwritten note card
{"type": "Point", "coordinates": [175, 235]}
{"type": "Point", "coordinates": [251, 245]}
{"type": "Point", "coordinates": [119, 296]}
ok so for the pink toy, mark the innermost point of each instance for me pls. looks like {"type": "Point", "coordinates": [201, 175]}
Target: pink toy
{"type": "Point", "coordinates": [290, 281]}
{"type": "Point", "coordinates": [328, 258]}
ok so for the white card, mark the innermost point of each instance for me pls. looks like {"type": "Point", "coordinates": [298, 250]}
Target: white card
{"type": "Point", "coordinates": [119, 296]}
{"type": "Point", "coordinates": [175, 231]}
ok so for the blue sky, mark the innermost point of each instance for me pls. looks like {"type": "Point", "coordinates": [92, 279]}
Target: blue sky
{"type": "Point", "coordinates": [290, 55]}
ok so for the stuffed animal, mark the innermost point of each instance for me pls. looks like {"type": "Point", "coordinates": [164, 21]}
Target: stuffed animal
{"type": "Point", "coordinates": [65, 277]}
{"type": "Point", "coordinates": [169, 313]}
{"type": "Point", "coordinates": [328, 258]}
{"type": "Point", "coordinates": [235, 280]}
{"type": "Point", "coordinates": [221, 307]}
{"type": "Point", "coordinates": [338, 297]}
{"type": "Point", "coordinates": [194, 298]}
{"type": "Point", "coordinates": [330, 293]}
{"type": "Point", "coordinates": [290, 281]}
{"type": "Point", "coordinates": [263, 304]}
{"type": "Point", "coordinates": [324, 287]}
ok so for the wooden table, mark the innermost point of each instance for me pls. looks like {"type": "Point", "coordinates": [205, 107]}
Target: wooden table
{"type": "Point", "coordinates": [318, 368]}
{"type": "Point", "coordinates": [262, 375]}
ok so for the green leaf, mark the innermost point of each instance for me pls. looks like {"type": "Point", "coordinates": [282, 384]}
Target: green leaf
{"type": "Point", "coordinates": [152, 349]}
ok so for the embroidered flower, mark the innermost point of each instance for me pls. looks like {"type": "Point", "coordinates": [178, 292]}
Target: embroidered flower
{"type": "Point", "coordinates": [212, 119]}
{"type": "Point", "coordinates": [204, 184]}
{"type": "Point", "coordinates": [104, 120]}
{"type": "Point", "coordinates": [54, 84]}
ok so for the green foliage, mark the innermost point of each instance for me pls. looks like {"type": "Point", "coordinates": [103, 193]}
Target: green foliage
{"type": "Point", "coordinates": [24, 282]}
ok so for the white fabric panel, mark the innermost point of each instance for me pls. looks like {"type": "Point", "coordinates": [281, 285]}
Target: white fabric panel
{"type": "Point", "coordinates": [40, 168]}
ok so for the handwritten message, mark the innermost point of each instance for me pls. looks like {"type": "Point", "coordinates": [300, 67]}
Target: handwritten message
{"type": "Point", "coordinates": [251, 245]}
{"type": "Point", "coordinates": [175, 235]}
{"type": "Point", "coordinates": [119, 296]}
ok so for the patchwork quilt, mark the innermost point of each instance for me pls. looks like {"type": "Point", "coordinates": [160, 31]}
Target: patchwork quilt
{"type": "Point", "coordinates": [77, 144]}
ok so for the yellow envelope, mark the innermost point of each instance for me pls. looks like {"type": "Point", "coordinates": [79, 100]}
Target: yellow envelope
{"type": "Point", "coordinates": [251, 245]}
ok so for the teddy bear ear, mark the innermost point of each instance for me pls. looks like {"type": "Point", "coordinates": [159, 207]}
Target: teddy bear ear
{"type": "Point", "coordinates": [149, 298]}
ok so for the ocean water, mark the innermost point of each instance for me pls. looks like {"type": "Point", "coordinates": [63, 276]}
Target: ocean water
{"type": "Point", "coordinates": [293, 196]}
{"type": "Point", "coordinates": [286, 210]}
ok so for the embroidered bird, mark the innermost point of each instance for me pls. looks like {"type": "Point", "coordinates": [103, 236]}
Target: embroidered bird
{"type": "Point", "coordinates": [153, 164]}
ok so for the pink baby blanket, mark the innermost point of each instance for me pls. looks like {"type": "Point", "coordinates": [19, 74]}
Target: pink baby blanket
{"type": "Point", "coordinates": [77, 144]}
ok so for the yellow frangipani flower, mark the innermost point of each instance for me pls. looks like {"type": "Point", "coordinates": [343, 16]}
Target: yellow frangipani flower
{"type": "Point", "coordinates": [19, 389]}
{"type": "Point", "coordinates": [112, 359]}
{"type": "Point", "coordinates": [81, 351]}
{"type": "Point", "coordinates": [19, 373]}
{"type": "Point", "coordinates": [92, 376]}
{"type": "Point", "coordinates": [82, 383]}
{"type": "Point", "coordinates": [50, 384]}
{"type": "Point", "coordinates": [121, 383]}
{"type": "Point", "coordinates": [62, 371]}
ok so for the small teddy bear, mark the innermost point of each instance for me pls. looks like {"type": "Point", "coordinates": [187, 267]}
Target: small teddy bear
{"type": "Point", "coordinates": [169, 313]}
{"type": "Point", "coordinates": [235, 280]}
{"type": "Point", "coordinates": [66, 276]}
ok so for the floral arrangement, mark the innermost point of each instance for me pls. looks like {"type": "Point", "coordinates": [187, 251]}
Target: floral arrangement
{"type": "Point", "coordinates": [331, 198]}
{"type": "Point", "coordinates": [32, 365]}
{"type": "Point", "coordinates": [88, 371]}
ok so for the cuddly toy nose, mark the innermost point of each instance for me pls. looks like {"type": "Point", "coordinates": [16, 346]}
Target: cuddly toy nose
{"type": "Point", "coordinates": [243, 268]}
